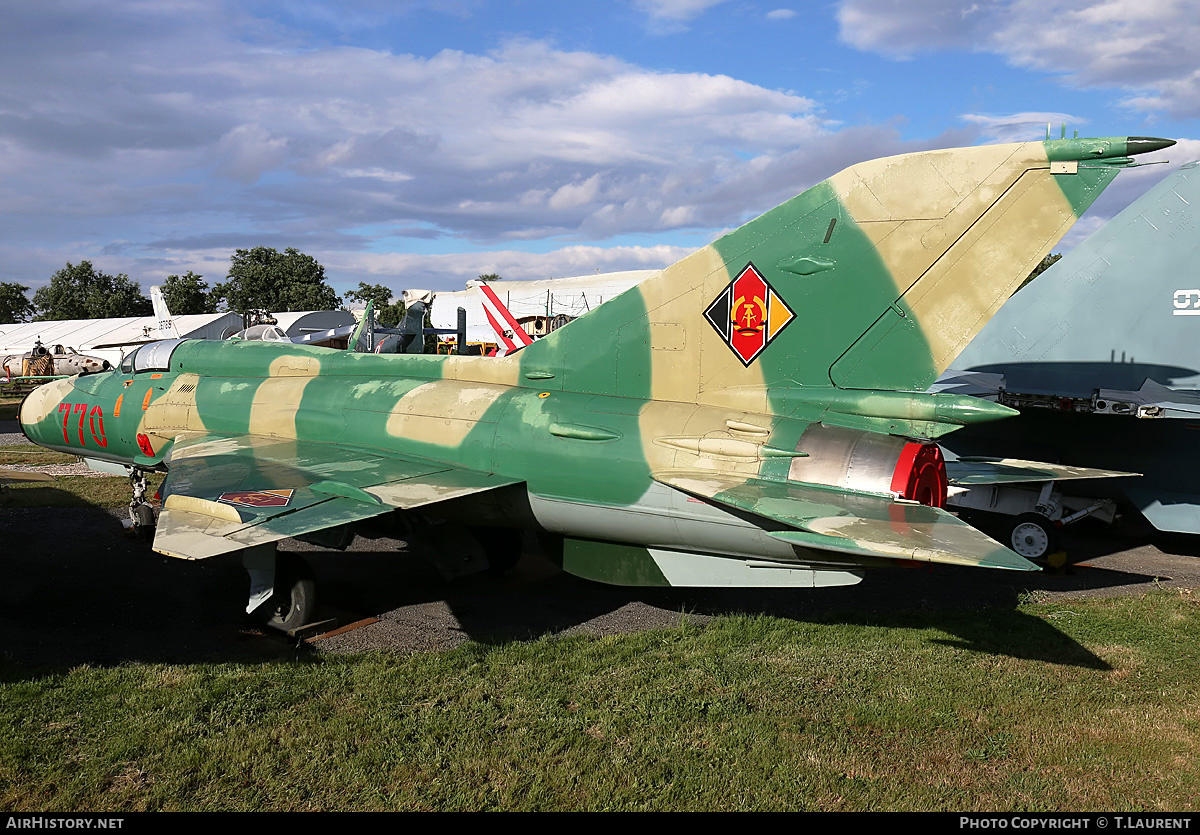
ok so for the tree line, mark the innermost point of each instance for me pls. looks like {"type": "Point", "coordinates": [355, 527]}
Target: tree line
{"type": "Point", "coordinates": [259, 279]}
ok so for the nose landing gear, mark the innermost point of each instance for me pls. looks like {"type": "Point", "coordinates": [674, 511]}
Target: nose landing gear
{"type": "Point", "coordinates": [141, 512]}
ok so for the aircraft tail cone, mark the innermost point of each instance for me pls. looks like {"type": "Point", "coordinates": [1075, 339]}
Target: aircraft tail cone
{"type": "Point", "coordinates": [1146, 144]}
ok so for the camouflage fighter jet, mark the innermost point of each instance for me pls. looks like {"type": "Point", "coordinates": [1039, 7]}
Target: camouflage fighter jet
{"type": "Point", "coordinates": [755, 415]}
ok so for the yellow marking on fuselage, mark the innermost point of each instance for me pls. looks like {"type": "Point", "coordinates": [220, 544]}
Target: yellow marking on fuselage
{"type": "Point", "coordinates": [117, 406]}
{"type": "Point", "coordinates": [442, 412]}
{"type": "Point", "coordinates": [695, 365]}
{"type": "Point", "coordinates": [296, 365]}
{"type": "Point", "coordinates": [175, 411]}
{"type": "Point", "coordinates": [680, 436]}
{"type": "Point", "coordinates": [276, 402]}
{"type": "Point", "coordinates": [500, 371]}
{"type": "Point", "coordinates": [277, 398]}
{"type": "Point", "coordinates": [43, 401]}
{"type": "Point", "coordinates": [146, 399]}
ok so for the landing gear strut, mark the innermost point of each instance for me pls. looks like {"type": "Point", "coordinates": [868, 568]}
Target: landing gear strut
{"type": "Point", "coordinates": [141, 512]}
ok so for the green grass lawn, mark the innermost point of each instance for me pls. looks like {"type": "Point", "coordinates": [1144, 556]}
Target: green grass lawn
{"type": "Point", "coordinates": [9, 404]}
{"type": "Point", "coordinates": [32, 455]}
{"type": "Point", "coordinates": [75, 491]}
{"type": "Point", "coordinates": [746, 713]}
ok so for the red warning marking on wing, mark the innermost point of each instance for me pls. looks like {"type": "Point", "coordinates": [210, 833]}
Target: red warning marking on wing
{"type": "Point", "coordinates": [258, 498]}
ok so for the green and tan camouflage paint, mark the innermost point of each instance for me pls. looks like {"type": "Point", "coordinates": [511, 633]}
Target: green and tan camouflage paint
{"type": "Point", "coordinates": [635, 431]}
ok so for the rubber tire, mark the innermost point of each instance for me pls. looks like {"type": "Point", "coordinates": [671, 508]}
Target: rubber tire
{"type": "Point", "coordinates": [1033, 536]}
{"type": "Point", "coordinates": [294, 602]}
{"type": "Point", "coordinates": [146, 522]}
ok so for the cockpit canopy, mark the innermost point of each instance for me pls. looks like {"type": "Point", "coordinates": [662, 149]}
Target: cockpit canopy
{"type": "Point", "coordinates": [156, 356]}
{"type": "Point", "coordinates": [263, 333]}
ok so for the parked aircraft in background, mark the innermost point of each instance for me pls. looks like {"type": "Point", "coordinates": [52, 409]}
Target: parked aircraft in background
{"type": "Point", "coordinates": [52, 361]}
{"type": "Point", "coordinates": [754, 415]}
{"type": "Point", "coordinates": [509, 333]}
{"type": "Point", "coordinates": [265, 332]}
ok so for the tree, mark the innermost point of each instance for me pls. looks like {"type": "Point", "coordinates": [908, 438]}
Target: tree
{"type": "Point", "coordinates": [14, 304]}
{"type": "Point", "coordinates": [1046, 263]}
{"type": "Point", "coordinates": [187, 294]}
{"type": "Point", "coordinates": [490, 277]}
{"type": "Point", "coordinates": [262, 278]}
{"type": "Point", "coordinates": [79, 292]}
{"type": "Point", "coordinates": [389, 314]}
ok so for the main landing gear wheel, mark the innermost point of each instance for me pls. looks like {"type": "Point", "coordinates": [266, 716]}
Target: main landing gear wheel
{"type": "Point", "coordinates": [294, 601]}
{"type": "Point", "coordinates": [1033, 536]}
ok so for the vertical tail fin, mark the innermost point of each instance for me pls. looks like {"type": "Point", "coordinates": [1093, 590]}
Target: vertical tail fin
{"type": "Point", "coordinates": [875, 279]}
{"type": "Point", "coordinates": [166, 323]}
{"type": "Point", "coordinates": [367, 321]}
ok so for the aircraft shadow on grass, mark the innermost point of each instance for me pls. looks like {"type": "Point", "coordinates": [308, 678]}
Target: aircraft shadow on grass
{"type": "Point", "coordinates": [79, 595]}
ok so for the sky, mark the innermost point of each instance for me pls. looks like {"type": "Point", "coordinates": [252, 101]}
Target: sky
{"type": "Point", "coordinates": [420, 143]}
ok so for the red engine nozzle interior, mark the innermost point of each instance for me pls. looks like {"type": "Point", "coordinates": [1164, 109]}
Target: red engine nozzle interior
{"type": "Point", "coordinates": [920, 474]}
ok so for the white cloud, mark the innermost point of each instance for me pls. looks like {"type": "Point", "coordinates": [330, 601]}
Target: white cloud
{"type": "Point", "coordinates": [248, 151]}
{"type": "Point", "coordinates": [781, 14]}
{"type": "Point", "coordinates": [901, 28]}
{"type": "Point", "coordinates": [575, 194]}
{"type": "Point", "coordinates": [670, 16]}
{"type": "Point", "coordinates": [451, 271]}
{"type": "Point", "coordinates": [336, 147]}
{"type": "Point", "coordinates": [1147, 47]}
{"type": "Point", "coordinates": [1023, 127]}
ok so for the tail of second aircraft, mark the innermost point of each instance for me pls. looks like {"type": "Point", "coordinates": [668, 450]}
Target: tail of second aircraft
{"type": "Point", "coordinates": [873, 279]}
{"type": "Point", "coordinates": [1117, 310]}
{"type": "Point", "coordinates": [166, 322]}
{"type": "Point", "coordinates": [508, 331]}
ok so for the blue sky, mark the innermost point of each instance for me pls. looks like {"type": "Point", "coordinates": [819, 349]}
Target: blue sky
{"type": "Point", "coordinates": [421, 143]}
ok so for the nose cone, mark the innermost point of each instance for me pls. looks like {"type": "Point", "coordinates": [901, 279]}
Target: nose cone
{"type": "Point", "coordinates": [1146, 144]}
{"type": "Point", "coordinates": [41, 404]}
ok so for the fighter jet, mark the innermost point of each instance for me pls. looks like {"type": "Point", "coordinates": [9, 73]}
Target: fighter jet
{"type": "Point", "coordinates": [755, 415]}
{"type": "Point", "coordinates": [41, 362]}
{"type": "Point", "coordinates": [1100, 353]}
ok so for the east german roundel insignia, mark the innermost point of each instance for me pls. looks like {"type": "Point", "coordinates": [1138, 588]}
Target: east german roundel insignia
{"type": "Point", "coordinates": [748, 314]}
{"type": "Point", "coordinates": [258, 498]}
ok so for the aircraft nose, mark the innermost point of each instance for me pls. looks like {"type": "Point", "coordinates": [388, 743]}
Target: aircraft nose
{"type": "Point", "coordinates": [1146, 144]}
{"type": "Point", "coordinates": [42, 403]}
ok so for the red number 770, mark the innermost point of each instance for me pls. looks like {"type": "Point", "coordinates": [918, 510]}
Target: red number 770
{"type": "Point", "coordinates": [95, 423]}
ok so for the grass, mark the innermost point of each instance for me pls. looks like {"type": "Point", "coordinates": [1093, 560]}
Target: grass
{"type": "Point", "coordinates": [75, 491]}
{"type": "Point", "coordinates": [9, 404]}
{"type": "Point", "coordinates": [745, 713]}
{"type": "Point", "coordinates": [32, 455]}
